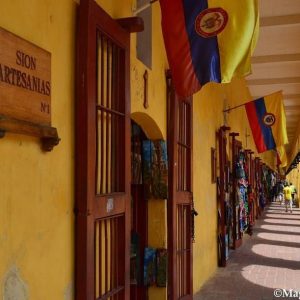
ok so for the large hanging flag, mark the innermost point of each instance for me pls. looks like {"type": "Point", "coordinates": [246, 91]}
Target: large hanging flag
{"type": "Point", "coordinates": [208, 40]}
{"type": "Point", "coordinates": [281, 157]}
{"type": "Point", "coordinates": [267, 121]}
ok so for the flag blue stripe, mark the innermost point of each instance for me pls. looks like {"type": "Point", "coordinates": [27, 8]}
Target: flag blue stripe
{"type": "Point", "coordinates": [204, 51]}
{"type": "Point", "coordinates": [266, 130]}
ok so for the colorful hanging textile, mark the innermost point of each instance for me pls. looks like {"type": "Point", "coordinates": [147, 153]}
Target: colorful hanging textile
{"type": "Point", "coordinates": [208, 40]}
{"type": "Point", "coordinates": [155, 169]}
{"type": "Point", "coordinates": [149, 266]}
{"type": "Point", "coordinates": [242, 192]}
{"type": "Point", "coordinates": [136, 155]}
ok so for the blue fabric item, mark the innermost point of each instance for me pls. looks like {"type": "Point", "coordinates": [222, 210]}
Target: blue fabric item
{"type": "Point", "coordinates": [149, 266]}
{"type": "Point", "coordinates": [266, 130]}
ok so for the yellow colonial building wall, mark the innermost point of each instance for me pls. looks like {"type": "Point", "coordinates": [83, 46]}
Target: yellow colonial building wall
{"type": "Point", "coordinates": [37, 198]}
{"type": "Point", "coordinates": [37, 188]}
{"type": "Point", "coordinates": [208, 117]}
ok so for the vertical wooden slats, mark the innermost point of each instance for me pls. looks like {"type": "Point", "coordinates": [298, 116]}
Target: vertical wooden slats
{"type": "Point", "coordinates": [100, 259]}
{"type": "Point", "coordinates": [179, 232]}
{"type": "Point", "coordinates": [183, 249]}
{"type": "Point", "coordinates": [183, 148]}
{"type": "Point", "coordinates": [106, 256]}
{"type": "Point", "coordinates": [102, 139]}
{"type": "Point", "coordinates": [107, 115]}
{"type": "Point", "coordinates": [110, 117]}
{"type": "Point", "coordinates": [113, 118]}
{"type": "Point", "coordinates": [183, 184]}
{"type": "Point", "coordinates": [101, 113]}
{"type": "Point", "coordinates": [112, 259]}
{"type": "Point", "coordinates": [108, 245]}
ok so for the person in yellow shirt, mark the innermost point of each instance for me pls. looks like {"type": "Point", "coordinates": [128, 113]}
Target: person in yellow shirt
{"type": "Point", "coordinates": [294, 192]}
{"type": "Point", "coordinates": [287, 191]}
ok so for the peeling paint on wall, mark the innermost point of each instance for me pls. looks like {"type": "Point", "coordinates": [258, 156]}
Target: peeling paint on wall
{"type": "Point", "coordinates": [14, 287]}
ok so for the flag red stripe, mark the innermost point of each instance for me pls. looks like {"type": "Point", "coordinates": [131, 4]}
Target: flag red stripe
{"type": "Point", "coordinates": [179, 53]}
{"type": "Point", "coordinates": [255, 127]}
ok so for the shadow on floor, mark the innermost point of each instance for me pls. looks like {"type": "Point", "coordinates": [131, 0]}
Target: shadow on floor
{"type": "Point", "coordinates": [268, 260]}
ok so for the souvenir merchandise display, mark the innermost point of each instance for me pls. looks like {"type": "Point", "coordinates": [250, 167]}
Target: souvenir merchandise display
{"type": "Point", "coordinates": [242, 193]}
{"type": "Point", "coordinates": [155, 169]}
{"type": "Point", "coordinates": [229, 225]}
{"type": "Point", "coordinates": [149, 266]}
{"type": "Point", "coordinates": [223, 199]}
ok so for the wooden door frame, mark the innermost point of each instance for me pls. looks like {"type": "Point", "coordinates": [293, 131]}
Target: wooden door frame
{"type": "Point", "coordinates": [172, 116]}
{"type": "Point", "coordinates": [86, 210]}
{"type": "Point", "coordinates": [140, 209]}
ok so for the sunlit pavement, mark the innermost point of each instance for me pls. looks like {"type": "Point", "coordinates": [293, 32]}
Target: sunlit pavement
{"type": "Point", "coordinates": [268, 260]}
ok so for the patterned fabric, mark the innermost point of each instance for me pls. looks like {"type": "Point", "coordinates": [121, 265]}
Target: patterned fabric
{"type": "Point", "coordinates": [242, 192]}
{"type": "Point", "coordinates": [136, 155]}
{"type": "Point", "coordinates": [149, 266]}
{"type": "Point", "coordinates": [155, 169]}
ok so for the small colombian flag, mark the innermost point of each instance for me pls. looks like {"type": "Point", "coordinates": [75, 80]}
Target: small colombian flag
{"type": "Point", "coordinates": [267, 120]}
{"type": "Point", "coordinates": [208, 40]}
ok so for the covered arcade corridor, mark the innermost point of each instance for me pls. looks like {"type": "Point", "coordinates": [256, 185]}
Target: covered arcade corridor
{"type": "Point", "coordinates": [268, 260]}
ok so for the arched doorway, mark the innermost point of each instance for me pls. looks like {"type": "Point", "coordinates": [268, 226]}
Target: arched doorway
{"type": "Point", "coordinates": [148, 216]}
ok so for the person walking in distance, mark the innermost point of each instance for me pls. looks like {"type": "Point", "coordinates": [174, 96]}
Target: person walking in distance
{"type": "Point", "coordinates": [294, 192]}
{"type": "Point", "coordinates": [287, 191]}
{"type": "Point", "coordinates": [280, 192]}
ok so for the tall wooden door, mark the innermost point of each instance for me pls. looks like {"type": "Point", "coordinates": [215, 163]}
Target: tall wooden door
{"type": "Point", "coordinates": [102, 157]}
{"type": "Point", "coordinates": [222, 187]}
{"type": "Point", "coordinates": [180, 208]}
{"type": "Point", "coordinates": [237, 235]}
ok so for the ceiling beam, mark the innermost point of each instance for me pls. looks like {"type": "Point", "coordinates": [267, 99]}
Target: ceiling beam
{"type": "Point", "coordinates": [292, 108]}
{"type": "Point", "coordinates": [280, 20]}
{"type": "Point", "coordinates": [266, 81]}
{"type": "Point", "coordinates": [275, 58]}
{"type": "Point", "coordinates": [291, 96]}
{"type": "Point", "coordinates": [287, 97]}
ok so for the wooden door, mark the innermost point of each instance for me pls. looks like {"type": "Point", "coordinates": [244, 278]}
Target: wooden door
{"type": "Point", "coordinates": [139, 215]}
{"type": "Point", "coordinates": [180, 208]}
{"type": "Point", "coordinates": [236, 148]}
{"type": "Point", "coordinates": [102, 157]}
{"type": "Point", "coordinates": [221, 195]}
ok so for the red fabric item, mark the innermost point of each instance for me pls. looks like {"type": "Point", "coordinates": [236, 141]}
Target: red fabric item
{"type": "Point", "coordinates": [173, 23]}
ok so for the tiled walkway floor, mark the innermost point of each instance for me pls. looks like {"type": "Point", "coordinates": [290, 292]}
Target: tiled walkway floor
{"type": "Point", "coordinates": [268, 260]}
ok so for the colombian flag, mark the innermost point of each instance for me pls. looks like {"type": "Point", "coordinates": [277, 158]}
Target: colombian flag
{"type": "Point", "coordinates": [267, 121]}
{"type": "Point", "coordinates": [281, 157]}
{"type": "Point", "coordinates": [208, 40]}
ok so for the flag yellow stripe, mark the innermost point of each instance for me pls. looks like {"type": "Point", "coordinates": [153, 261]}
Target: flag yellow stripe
{"type": "Point", "coordinates": [274, 105]}
{"type": "Point", "coordinates": [238, 39]}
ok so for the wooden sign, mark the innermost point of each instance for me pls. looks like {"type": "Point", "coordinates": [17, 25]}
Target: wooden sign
{"type": "Point", "coordinates": [25, 87]}
{"type": "Point", "coordinates": [25, 80]}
